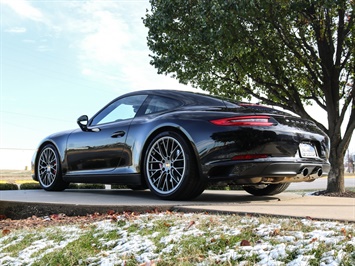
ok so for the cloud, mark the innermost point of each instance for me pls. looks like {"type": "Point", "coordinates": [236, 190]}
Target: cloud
{"type": "Point", "coordinates": [24, 9]}
{"type": "Point", "coordinates": [108, 39]}
{"type": "Point", "coordinates": [113, 48]}
{"type": "Point", "coordinates": [16, 30]}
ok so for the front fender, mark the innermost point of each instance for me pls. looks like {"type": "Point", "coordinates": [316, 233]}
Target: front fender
{"type": "Point", "coordinates": [59, 141]}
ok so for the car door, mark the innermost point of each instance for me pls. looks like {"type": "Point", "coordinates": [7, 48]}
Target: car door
{"type": "Point", "coordinates": [99, 148]}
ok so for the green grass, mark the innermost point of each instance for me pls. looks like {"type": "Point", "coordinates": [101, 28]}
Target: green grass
{"type": "Point", "coordinates": [33, 185]}
{"type": "Point", "coordinates": [17, 243]}
{"type": "Point", "coordinates": [76, 251]}
{"type": "Point", "coordinates": [8, 186]}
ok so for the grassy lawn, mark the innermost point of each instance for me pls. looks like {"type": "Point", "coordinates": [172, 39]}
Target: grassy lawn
{"type": "Point", "coordinates": [176, 239]}
{"type": "Point", "coordinates": [182, 239]}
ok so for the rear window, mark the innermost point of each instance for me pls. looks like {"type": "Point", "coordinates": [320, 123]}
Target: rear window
{"type": "Point", "coordinates": [161, 104]}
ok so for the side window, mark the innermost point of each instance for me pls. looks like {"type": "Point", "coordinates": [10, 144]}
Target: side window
{"type": "Point", "coordinates": [121, 109]}
{"type": "Point", "coordinates": [160, 104]}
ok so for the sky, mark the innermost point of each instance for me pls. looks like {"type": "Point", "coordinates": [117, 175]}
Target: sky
{"type": "Point", "coordinates": [61, 59]}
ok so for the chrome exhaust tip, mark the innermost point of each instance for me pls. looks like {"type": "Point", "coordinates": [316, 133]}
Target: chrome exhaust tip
{"type": "Point", "coordinates": [304, 172]}
{"type": "Point", "coordinates": [317, 172]}
{"type": "Point", "coordinates": [320, 172]}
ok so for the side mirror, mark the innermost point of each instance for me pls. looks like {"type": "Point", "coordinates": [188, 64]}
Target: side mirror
{"type": "Point", "coordinates": [83, 122]}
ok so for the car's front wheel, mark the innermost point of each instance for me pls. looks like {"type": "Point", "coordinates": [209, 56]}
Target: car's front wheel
{"type": "Point", "coordinates": [170, 168]}
{"type": "Point", "coordinates": [49, 172]}
{"type": "Point", "coordinates": [267, 189]}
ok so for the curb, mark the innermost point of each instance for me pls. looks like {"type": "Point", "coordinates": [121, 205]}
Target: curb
{"type": "Point", "coordinates": [24, 210]}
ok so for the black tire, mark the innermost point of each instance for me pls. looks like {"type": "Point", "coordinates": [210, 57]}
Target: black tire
{"type": "Point", "coordinates": [170, 168]}
{"type": "Point", "coordinates": [267, 189]}
{"type": "Point", "coordinates": [199, 187]}
{"type": "Point", "coordinates": [49, 171]}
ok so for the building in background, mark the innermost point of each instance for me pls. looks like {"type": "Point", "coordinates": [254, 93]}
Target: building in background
{"type": "Point", "coordinates": [349, 163]}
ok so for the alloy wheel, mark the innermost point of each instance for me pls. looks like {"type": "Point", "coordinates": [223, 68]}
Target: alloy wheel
{"type": "Point", "coordinates": [165, 165]}
{"type": "Point", "coordinates": [47, 167]}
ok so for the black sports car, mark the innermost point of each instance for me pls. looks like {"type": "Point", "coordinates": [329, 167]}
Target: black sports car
{"type": "Point", "coordinates": [176, 143]}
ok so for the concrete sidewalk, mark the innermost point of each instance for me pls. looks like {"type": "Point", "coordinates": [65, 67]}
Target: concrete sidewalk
{"type": "Point", "coordinates": [313, 207]}
{"type": "Point", "coordinates": [25, 203]}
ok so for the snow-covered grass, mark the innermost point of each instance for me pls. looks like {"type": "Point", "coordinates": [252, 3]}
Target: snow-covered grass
{"type": "Point", "coordinates": [184, 239]}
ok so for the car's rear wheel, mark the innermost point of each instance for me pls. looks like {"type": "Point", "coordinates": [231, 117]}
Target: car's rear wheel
{"type": "Point", "coordinates": [49, 172]}
{"type": "Point", "coordinates": [267, 189]}
{"type": "Point", "coordinates": [170, 168]}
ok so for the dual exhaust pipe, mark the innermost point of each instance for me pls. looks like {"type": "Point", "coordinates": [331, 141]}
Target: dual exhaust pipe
{"type": "Point", "coordinates": [305, 174]}
{"type": "Point", "coordinates": [316, 173]}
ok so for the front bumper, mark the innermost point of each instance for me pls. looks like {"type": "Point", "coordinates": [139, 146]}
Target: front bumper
{"type": "Point", "coordinates": [33, 166]}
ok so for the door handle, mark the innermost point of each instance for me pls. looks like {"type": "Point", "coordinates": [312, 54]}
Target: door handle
{"type": "Point", "coordinates": [118, 134]}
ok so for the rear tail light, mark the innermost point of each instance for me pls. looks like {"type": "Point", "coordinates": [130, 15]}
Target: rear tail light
{"type": "Point", "coordinates": [249, 120]}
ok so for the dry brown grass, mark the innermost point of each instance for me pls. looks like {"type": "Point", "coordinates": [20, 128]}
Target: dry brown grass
{"type": "Point", "coordinates": [15, 176]}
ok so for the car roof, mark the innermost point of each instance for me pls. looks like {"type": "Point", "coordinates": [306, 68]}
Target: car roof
{"type": "Point", "coordinates": [187, 97]}
{"type": "Point", "coordinates": [190, 98]}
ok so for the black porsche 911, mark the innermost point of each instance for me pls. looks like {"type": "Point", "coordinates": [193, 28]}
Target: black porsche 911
{"type": "Point", "coordinates": [176, 143]}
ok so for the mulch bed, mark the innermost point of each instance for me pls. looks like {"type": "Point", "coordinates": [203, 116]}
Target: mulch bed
{"type": "Point", "coordinates": [346, 194]}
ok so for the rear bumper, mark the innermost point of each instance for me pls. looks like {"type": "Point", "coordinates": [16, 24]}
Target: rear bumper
{"type": "Point", "coordinates": [291, 171]}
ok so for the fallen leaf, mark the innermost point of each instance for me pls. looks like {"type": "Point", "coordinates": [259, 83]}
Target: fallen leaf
{"type": "Point", "coordinates": [276, 232]}
{"type": "Point", "coordinates": [6, 232]}
{"type": "Point", "coordinates": [127, 215]}
{"type": "Point", "coordinates": [114, 218]}
{"type": "Point", "coordinates": [343, 231]}
{"type": "Point", "coordinates": [189, 225]}
{"type": "Point", "coordinates": [54, 217]}
{"type": "Point", "coordinates": [110, 212]}
{"type": "Point", "coordinates": [314, 240]}
{"type": "Point", "coordinates": [245, 243]}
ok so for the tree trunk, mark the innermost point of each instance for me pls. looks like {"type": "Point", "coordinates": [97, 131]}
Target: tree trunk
{"type": "Point", "coordinates": [336, 173]}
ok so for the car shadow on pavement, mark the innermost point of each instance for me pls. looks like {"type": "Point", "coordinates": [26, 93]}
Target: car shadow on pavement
{"type": "Point", "coordinates": [145, 196]}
